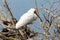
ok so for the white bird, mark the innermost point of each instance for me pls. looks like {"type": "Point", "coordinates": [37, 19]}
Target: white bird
{"type": "Point", "coordinates": [27, 18]}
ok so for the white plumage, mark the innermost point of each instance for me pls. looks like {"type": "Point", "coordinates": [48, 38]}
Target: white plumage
{"type": "Point", "coordinates": [26, 18]}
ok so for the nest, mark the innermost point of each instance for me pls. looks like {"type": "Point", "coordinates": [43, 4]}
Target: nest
{"type": "Point", "coordinates": [15, 34]}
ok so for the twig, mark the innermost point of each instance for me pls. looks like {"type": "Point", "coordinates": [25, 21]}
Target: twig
{"type": "Point", "coordinates": [7, 8]}
{"type": "Point", "coordinates": [8, 11]}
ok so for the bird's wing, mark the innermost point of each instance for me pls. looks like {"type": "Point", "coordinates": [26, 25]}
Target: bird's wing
{"type": "Point", "coordinates": [26, 18]}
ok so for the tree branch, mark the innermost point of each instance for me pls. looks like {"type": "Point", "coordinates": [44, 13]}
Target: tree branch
{"type": "Point", "coordinates": [7, 8]}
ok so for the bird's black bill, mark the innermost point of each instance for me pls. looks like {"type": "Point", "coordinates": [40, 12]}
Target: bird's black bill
{"type": "Point", "coordinates": [36, 12]}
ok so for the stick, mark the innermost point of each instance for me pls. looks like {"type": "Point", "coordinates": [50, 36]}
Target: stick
{"type": "Point", "coordinates": [7, 8]}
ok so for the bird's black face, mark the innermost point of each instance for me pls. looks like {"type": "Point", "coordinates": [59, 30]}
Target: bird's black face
{"type": "Point", "coordinates": [35, 12]}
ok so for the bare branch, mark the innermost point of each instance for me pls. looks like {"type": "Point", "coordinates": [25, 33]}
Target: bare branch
{"type": "Point", "coordinates": [7, 8]}
{"type": "Point", "coordinates": [8, 11]}
{"type": "Point", "coordinates": [46, 18]}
